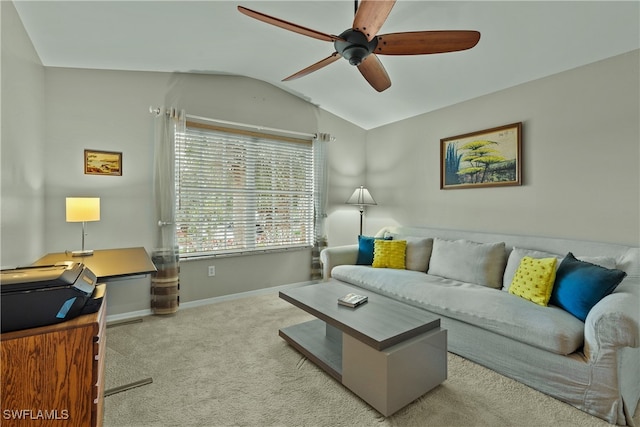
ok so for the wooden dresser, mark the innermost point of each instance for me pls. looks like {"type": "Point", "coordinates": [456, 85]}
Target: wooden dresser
{"type": "Point", "coordinates": [54, 375]}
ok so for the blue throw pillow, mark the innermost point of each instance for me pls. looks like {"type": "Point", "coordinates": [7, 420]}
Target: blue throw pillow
{"type": "Point", "coordinates": [365, 249]}
{"type": "Point", "coordinates": [580, 285]}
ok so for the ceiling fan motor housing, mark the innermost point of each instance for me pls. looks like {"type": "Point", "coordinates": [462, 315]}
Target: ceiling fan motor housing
{"type": "Point", "coordinates": [354, 46]}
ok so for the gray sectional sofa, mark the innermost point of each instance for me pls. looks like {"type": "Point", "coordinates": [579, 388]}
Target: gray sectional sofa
{"type": "Point", "coordinates": [464, 277]}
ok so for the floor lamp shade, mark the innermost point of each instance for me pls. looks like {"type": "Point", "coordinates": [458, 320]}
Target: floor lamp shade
{"type": "Point", "coordinates": [361, 197]}
{"type": "Point", "coordinates": [83, 209]}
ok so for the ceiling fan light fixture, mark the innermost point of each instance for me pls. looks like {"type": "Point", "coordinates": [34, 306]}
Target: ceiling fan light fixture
{"type": "Point", "coordinates": [354, 46]}
{"type": "Point", "coordinates": [355, 54]}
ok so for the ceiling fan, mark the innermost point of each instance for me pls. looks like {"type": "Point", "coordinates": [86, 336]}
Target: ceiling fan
{"type": "Point", "coordinates": [361, 44]}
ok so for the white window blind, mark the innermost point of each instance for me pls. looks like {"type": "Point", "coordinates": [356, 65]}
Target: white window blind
{"type": "Point", "coordinates": [240, 191]}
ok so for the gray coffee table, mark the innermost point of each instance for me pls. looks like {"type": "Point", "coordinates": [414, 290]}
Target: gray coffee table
{"type": "Point", "coordinates": [387, 352]}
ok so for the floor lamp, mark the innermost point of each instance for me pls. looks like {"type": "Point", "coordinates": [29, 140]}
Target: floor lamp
{"type": "Point", "coordinates": [362, 198]}
{"type": "Point", "coordinates": [83, 209]}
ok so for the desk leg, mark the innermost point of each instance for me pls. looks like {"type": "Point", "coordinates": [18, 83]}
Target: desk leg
{"type": "Point", "coordinates": [134, 384]}
{"type": "Point", "coordinates": [129, 386]}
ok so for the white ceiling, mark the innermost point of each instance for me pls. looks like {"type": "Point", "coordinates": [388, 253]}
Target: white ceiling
{"type": "Point", "coordinates": [520, 41]}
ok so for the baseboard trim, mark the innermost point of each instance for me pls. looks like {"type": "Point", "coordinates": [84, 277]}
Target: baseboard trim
{"type": "Point", "coordinates": [123, 317]}
{"type": "Point", "coordinates": [115, 319]}
{"type": "Point", "coordinates": [256, 292]}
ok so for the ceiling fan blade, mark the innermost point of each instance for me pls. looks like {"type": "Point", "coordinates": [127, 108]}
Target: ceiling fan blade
{"type": "Point", "coordinates": [288, 25]}
{"type": "Point", "coordinates": [310, 69]}
{"type": "Point", "coordinates": [370, 16]}
{"type": "Point", "coordinates": [372, 70]}
{"type": "Point", "coordinates": [426, 42]}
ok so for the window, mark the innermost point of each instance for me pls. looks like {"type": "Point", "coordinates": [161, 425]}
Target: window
{"type": "Point", "coordinates": [240, 191]}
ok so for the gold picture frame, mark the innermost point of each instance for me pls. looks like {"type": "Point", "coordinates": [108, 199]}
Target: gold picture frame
{"type": "Point", "coordinates": [486, 158]}
{"type": "Point", "coordinates": [98, 162]}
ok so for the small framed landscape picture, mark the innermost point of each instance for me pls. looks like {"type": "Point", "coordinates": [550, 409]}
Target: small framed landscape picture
{"type": "Point", "coordinates": [102, 163]}
{"type": "Point", "coordinates": [486, 158]}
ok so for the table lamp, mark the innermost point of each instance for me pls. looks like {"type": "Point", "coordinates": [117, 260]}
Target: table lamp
{"type": "Point", "coordinates": [362, 198]}
{"type": "Point", "coordinates": [83, 209]}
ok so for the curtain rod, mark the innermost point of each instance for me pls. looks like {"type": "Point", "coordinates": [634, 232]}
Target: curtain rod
{"type": "Point", "coordinates": [256, 127]}
{"type": "Point", "coordinates": [157, 112]}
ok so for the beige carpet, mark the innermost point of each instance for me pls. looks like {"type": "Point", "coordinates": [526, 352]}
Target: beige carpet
{"type": "Point", "coordinates": [225, 365]}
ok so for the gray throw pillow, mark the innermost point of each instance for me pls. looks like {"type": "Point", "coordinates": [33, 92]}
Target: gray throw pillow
{"type": "Point", "coordinates": [418, 253]}
{"type": "Point", "coordinates": [467, 261]}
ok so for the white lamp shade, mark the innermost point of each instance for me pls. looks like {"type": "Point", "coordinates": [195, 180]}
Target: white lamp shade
{"type": "Point", "coordinates": [81, 209]}
{"type": "Point", "coordinates": [361, 197]}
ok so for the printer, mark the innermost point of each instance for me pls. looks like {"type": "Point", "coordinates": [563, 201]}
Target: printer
{"type": "Point", "coordinates": [43, 295]}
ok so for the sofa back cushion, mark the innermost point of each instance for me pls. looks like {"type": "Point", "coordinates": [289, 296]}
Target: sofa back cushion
{"type": "Point", "coordinates": [418, 253]}
{"type": "Point", "coordinates": [467, 261]}
{"type": "Point", "coordinates": [516, 255]}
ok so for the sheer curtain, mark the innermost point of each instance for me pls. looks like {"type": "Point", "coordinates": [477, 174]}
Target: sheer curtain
{"type": "Point", "coordinates": [170, 124]}
{"type": "Point", "coordinates": [321, 178]}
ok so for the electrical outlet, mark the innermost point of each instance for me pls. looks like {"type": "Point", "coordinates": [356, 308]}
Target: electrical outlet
{"type": "Point", "coordinates": [212, 270]}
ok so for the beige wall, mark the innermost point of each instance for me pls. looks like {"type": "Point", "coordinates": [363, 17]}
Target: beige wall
{"type": "Point", "coordinates": [581, 148]}
{"type": "Point", "coordinates": [347, 171]}
{"type": "Point", "coordinates": [21, 143]}
{"type": "Point", "coordinates": [109, 110]}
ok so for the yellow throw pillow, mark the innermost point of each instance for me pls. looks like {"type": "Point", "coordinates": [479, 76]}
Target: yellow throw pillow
{"type": "Point", "coordinates": [389, 254]}
{"type": "Point", "coordinates": [534, 279]}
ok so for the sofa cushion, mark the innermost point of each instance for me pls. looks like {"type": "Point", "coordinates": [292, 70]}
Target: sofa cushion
{"type": "Point", "coordinates": [602, 261]}
{"type": "Point", "coordinates": [472, 262]}
{"type": "Point", "coordinates": [580, 285]}
{"type": "Point", "coordinates": [389, 253]}
{"type": "Point", "coordinates": [365, 249]}
{"type": "Point", "coordinates": [513, 262]}
{"type": "Point", "coordinates": [517, 254]}
{"type": "Point", "coordinates": [418, 253]}
{"type": "Point", "coordinates": [534, 279]}
{"type": "Point", "coordinates": [630, 263]}
{"type": "Point", "coordinates": [549, 328]}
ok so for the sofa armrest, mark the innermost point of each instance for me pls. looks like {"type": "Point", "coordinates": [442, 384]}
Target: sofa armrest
{"type": "Point", "coordinates": [337, 255]}
{"type": "Point", "coordinates": [614, 322]}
